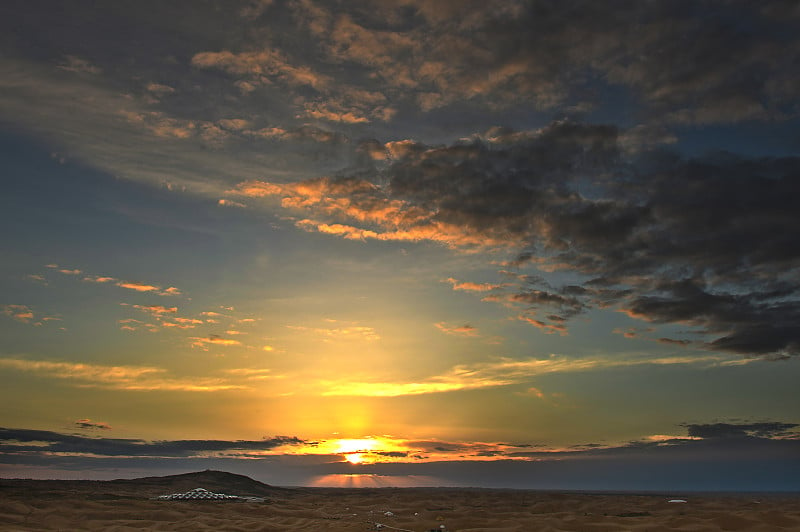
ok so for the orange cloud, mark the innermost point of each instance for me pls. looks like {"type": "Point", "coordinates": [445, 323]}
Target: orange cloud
{"type": "Point", "coordinates": [99, 279]}
{"type": "Point", "coordinates": [104, 279]}
{"type": "Point", "coordinates": [170, 291]}
{"type": "Point", "coordinates": [19, 312]}
{"type": "Point", "coordinates": [261, 66]}
{"type": "Point", "coordinates": [322, 111]}
{"type": "Point", "coordinates": [138, 287]}
{"type": "Point", "coordinates": [25, 314]}
{"type": "Point", "coordinates": [548, 328]}
{"type": "Point", "coordinates": [156, 310]}
{"type": "Point", "coordinates": [204, 343]}
{"type": "Point", "coordinates": [230, 203]}
{"type": "Point", "coordinates": [473, 287]}
{"type": "Point", "coordinates": [536, 392]}
{"type": "Point", "coordinates": [188, 321]}
{"type": "Point", "coordinates": [334, 201]}
{"type": "Point", "coordinates": [458, 330]}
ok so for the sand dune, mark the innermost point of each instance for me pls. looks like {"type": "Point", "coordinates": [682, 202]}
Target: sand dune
{"type": "Point", "coordinates": [125, 505]}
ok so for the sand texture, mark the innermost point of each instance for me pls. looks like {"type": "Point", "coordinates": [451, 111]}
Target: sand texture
{"type": "Point", "coordinates": [118, 506]}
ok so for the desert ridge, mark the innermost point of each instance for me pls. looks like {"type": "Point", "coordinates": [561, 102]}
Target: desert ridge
{"type": "Point", "coordinates": [127, 505]}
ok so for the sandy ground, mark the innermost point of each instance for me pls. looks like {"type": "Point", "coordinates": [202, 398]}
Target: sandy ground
{"type": "Point", "coordinates": [117, 506]}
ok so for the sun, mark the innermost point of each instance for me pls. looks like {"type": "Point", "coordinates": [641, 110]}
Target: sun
{"type": "Point", "coordinates": [356, 451]}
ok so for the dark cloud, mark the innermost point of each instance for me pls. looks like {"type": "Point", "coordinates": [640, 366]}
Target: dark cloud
{"type": "Point", "coordinates": [21, 440]}
{"type": "Point", "coordinates": [767, 430]}
{"type": "Point", "coordinates": [709, 242]}
{"type": "Point", "coordinates": [721, 456]}
{"type": "Point", "coordinates": [375, 60]}
{"type": "Point", "coordinates": [91, 425]}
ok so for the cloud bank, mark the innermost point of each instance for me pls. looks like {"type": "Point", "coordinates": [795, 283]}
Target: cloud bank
{"type": "Point", "coordinates": [707, 243]}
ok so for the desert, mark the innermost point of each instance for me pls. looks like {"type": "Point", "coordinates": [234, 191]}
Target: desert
{"type": "Point", "coordinates": [133, 504]}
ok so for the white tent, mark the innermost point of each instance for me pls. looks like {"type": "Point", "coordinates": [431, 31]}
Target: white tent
{"type": "Point", "coordinates": [201, 493]}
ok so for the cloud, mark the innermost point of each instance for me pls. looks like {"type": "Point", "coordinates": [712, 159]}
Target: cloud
{"type": "Point", "coordinates": [130, 378]}
{"type": "Point", "coordinates": [769, 430]}
{"type": "Point", "coordinates": [128, 285]}
{"type": "Point", "coordinates": [655, 462]}
{"type": "Point", "coordinates": [100, 279]}
{"type": "Point", "coordinates": [156, 310]}
{"type": "Point", "coordinates": [548, 328]}
{"type": "Point", "coordinates": [21, 313]}
{"type": "Point", "coordinates": [138, 287]}
{"type": "Point", "coordinates": [78, 65]}
{"type": "Point", "coordinates": [25, 314]}
{"type": "Point", "coordinates": [262, 66]}
{"type": "Point", "coordinates": [159, 89]}
{"type": "Point", "coordinates": [252, 373]}
{"type": "Point", "coordinates": [554, 197]}
{"type": "Point", "coordinates": [680, 63]}
{"type": "Point", "coordinates": [503, 372]}
{"type": "Point", "coordinates": [472, 287]}
{"type": "Point", "coordinates": [213, 340]}
{"type": "Point", "coordinates": [457, 330]}
{"type": "Point", "coordinates": [91, 425]}
{"type": "Point", "coordinates": [69, 370]}
{"type": "Point", "coordinates": [348, 331]}
{"type": "Point", "coordinates": [54, 443]}
{"type": "Point", "coordinates": [230, 203]}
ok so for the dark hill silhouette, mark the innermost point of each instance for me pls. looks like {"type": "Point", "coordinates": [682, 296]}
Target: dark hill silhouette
{"type": "Point", "coordinates": [147, 487]}
{"type": "Point", "coordinates": [216, 481]}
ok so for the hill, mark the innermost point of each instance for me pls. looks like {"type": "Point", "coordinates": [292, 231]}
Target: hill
{"type": "Point", "coordinates": [216, 481]}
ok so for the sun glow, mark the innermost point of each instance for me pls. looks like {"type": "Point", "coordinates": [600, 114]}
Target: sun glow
{"type": "Point", "coordinates": [356, 451]}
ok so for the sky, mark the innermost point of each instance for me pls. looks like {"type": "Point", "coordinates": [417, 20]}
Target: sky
{"type": "Point", "coordinates": [488, 243]}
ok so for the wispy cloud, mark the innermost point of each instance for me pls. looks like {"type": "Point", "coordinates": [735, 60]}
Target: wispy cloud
{"type": "Point", "coordinates": [213, 340]}
{"type": "Point", "coordinates": [128, 285]}
{"type": "Point", "coordinates": [504, 372]}
{"type": "Point", "coordinates": [78, 65]}
{"type": "Point", "coordinates": [21, 313]}
{"type": "Point", "coordinates": [25, 314]}
{"type": "Point", "coordinates": [131, 378]}
{"type": "Point", "coordinates": [54, 444]}
{"type": "Point", "coordinates": [457, 330]}
{"type": "Point", "coordinates": [346, 331]}
{"type": "Point", "coordinates": [473, 287]}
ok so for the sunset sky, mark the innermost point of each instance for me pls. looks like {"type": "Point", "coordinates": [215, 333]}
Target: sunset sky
{"type": "Point", "coordinates": [402, 242]}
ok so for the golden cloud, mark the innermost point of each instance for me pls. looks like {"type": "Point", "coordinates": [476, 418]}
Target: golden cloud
{"type": "Point", "coordinates": [132, 378]}
{"type": "Point", "coordinates": [341, 333]}
{"type": "Point", "coordinates": [503, 372]}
